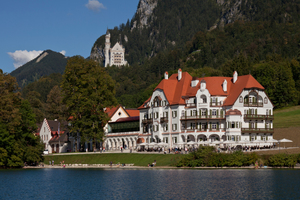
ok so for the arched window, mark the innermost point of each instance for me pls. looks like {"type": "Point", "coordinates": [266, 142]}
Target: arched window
{"type": "Point", "coordinates": [203, 99]}
{"type": "Point", "coordinates": [265, 100]}
{"type": "Point", "coordinates": [241, 99]}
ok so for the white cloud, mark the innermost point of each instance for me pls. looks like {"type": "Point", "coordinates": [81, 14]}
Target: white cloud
{"type": "Point", "coordinates": [63, 52]}
{"type": "Point", "coordinates": [21, 57]}
{"type": "Point", "coordinates": [95, 5]}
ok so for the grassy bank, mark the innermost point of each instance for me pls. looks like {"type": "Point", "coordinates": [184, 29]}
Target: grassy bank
{"type": "Point", "coordinates": [105, 158]}
{"type": "Point", "coordinates": [287, 117]}
{"type": "Point", "coordinates": [287, 125]}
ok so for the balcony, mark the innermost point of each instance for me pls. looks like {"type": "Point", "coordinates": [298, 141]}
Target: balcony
{"type": "Point", "coordinates": [164, 120]}
{"type": "Point", "coordinates": [202, 129]}
{"type": "Point", "coordinates": [257, 130]}
{"type": "Point", "coordinates": [259, 117]}
{"type": "Point", "coordinates": [216, 104]}
{"type": "Point", "coordinates": [147, 121]}
{"type": "Point", "coordinates": [202, 117]}
{"type": "Point", "coordinates": [190, 105]}
{"type": "Point", "coordinates": [253, 104]}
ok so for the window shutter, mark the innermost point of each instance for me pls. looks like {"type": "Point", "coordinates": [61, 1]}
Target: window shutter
{"type": "Point", "coordinates": [217, 125]}
{"type": "Point", "coordinates": [240, 124]}
{"type": "Point", "coordinates": [256, 112]}
{"type": "Point", "coordinates": [269, 112]}
{"type": "Point", "coordinates": [249, 125]}
{"type": "Point", "coordinates": [249, 137]}
{"type": "Point", "coordinates": [209, 125]}
{"type": "Point", "coordinates": [210, 113]}
{"type": "Point", "coordinates": [217, 113]}
{"type": "Point", "coordinates": [255, 125]}
{"type": "Point", "coordinates": [191, 113]}
{"type": "Point", "coordinates": [237, 125]}
{"type": "Point", "coordinates": [266, 137]}
{"type": "Point", "coordinates": [261, 137]}
{"type": "Point", "coordinates": [234, 138]}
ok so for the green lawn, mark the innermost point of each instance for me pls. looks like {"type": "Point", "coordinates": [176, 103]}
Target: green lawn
{"type": "Point", "coordinates": [287, 117]}
{"type": "Point", "coordinates": [105, 158]}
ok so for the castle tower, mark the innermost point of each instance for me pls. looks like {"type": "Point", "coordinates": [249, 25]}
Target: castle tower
{"type": "Point", "coordinates": [107, 48]}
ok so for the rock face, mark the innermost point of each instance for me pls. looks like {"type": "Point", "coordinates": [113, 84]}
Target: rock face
{"type": "Point", "coordinates": [145, 10]}
{"type": "Point", "coordinates": [97, 54]}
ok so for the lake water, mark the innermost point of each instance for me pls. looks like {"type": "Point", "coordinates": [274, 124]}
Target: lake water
{"type": "Point", "coordinates": [149, 184]}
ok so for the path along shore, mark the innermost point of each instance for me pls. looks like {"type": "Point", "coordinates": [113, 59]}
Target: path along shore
{"type": "Point", "coordinates": [131, 166]}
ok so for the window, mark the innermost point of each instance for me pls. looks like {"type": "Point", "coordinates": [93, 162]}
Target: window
{"type": "Point", "coordinates": [252, 125]}
{"type": "Point", "coordinates": [174, 114]}
{"type": "Point", "coordinates": [267, 112]}
{"type": "Point", "coordinates": [214, 112]}
{"type": "Point", "coordinates": [44, 129]}
{"type": "Point", "coordinates": [214, 99]}
{"type": "Point", "coordinates": [241, 99]}
{"type": "Point", "coordinates": [165, 140]}
{"type": "Point", "coordinates": [232, 125]}
{"type": "Point", "coordinates": [183, 113]}
{"type": "Point", "coordinates": [183, 126]}
{"type": "Point", "coordinates": [265, 100]}
{"type": "Point", "coordinates": [214, 126]}
{"type": "Point", "coordinates": [203, 99]}
{"type": "Point", "coordinates": [193, 126]}
{"type": "Point", "coordinates": [166, 127]}
{"type": "Point", "coordinates": [203, 126]}
{"type": "Point", "coordinates": [203, 112]}
{"type": "Point", "coordinates": [174, 127]}
{"type": "Point", "coordinates": [174, 140]}
{"type": "Point", "coordinates": [150, 115]}
{"type": "Point", "coordinates": [194, 113]}
{"type": "Point", "coordinates": [156, 115]}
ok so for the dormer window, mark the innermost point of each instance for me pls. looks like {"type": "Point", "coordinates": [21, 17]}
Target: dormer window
{"type": "Point", "coordinates": [241, 99]}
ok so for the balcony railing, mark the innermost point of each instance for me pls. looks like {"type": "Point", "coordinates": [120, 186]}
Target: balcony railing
{"type": "Point", "coordinates": [257, 130]}
{"type": "Point", "coordinates": [191, 105]}
{"type": "Point", "coordinates": [203, 117]}
{"type": "Point", "coordinates": [253, 104]}
{"type": "Point", "coordinates": [164, 120]}
{"type": "Point", "coordinates": [202, 129]}
{"type": "Point", "coordinates": [261, 117]}
{"type": "Point", "coordinates": [147, 121]}
{"type": "Point", "coordinates": [212, 104]}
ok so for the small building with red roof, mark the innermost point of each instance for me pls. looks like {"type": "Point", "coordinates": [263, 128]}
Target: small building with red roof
{"type": "Point", "coordinates": [54, 136]}
{"type": "Point", "coordinates": [122, 130]}
{"type": "Point", "coordinates": [185, 109]}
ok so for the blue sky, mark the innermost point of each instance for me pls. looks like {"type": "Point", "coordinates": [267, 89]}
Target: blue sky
{"type": "Point", "coordinates": [67, 26]}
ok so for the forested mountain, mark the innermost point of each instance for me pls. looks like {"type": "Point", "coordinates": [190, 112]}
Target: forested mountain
{"type": "Point", "coordinates": [46, 63]}
{"type": "Point", "coordinates": [205, 38]}
{"type": "Point", "coordinates": [160, 25]}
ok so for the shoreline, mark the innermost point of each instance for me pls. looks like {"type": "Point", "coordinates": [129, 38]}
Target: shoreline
{"type": "Point", "coordinates": [104, 166]}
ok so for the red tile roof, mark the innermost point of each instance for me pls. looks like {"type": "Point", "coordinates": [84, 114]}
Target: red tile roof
{"type": "Point", "coordinates": [175, 90]}
{"type": "Point", "coordinates": [133, 112]}
{"type": "Point", "coordinates": [110, 111]}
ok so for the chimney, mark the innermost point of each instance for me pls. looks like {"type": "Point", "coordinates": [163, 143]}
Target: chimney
{"type": "Point", "coordinates": [225, 85]}
{"type": "Point", "coordinates": [235, 76]}
{"type": "Point", "coordinates": [179, 74]}
{"type": "Point", "coordinates": [166, 75]}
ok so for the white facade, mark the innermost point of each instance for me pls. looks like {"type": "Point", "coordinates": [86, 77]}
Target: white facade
{"type": "Point", "coordinates": [114, 55]}
{"type": "Point", "coordinates": [49, 131]}
{"type": "Point", "coordinates": [198, 112]}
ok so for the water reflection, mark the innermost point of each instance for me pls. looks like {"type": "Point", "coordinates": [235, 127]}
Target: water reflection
{"type": "Point", "coordinates": [149, 184]}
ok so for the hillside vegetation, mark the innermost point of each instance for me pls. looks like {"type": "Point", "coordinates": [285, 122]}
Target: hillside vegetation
{"type": "Point", "coordinates": [287, 117]}
{"type": "Point", "coordinates": [48, 62]}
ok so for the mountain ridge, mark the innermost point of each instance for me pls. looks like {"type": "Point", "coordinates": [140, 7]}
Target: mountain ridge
{"type": "Point", "coordinates": [46, 63]}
